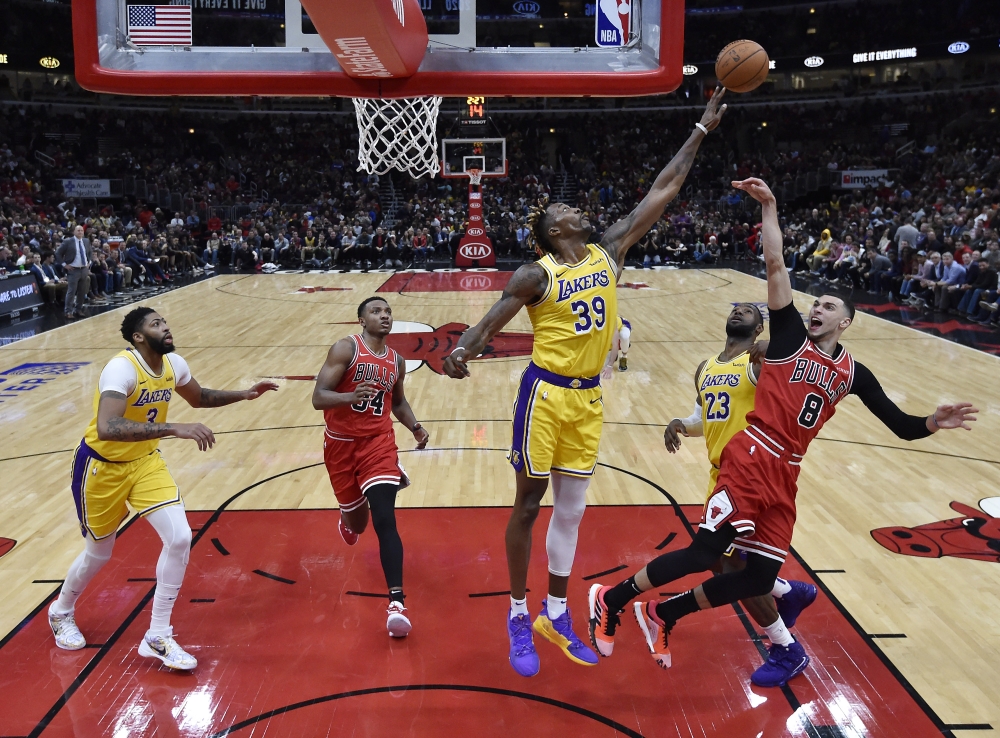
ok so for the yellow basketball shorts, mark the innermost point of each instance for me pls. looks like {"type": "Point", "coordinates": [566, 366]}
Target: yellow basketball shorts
{"type": "Point", "coordinates": [104, 490]}
{"type": "Point", "coordinates": [557, 424]}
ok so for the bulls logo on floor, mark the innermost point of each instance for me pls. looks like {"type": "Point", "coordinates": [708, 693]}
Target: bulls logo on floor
{"type": "Point", "coordinates": [6, 544]}
{"type": "Point", "coordinates": [974, 535]}
{"type": "Point", "coordinates": [421, 344]}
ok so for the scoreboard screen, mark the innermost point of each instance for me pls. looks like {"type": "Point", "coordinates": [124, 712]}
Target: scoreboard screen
{"type": "Point", "coordinates": [473, 115]}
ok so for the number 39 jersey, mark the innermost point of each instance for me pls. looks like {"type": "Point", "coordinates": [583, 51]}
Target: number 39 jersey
{"type": "Point", "coordinates": [726, 391]}
{"type": "Point", "coordinates": [576, 318]}
{"type": "Point", "coordinates": [796, 396]}
{"type": "Point", "coordinates": [371, 417]}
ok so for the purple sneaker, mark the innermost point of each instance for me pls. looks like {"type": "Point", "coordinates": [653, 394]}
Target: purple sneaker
{"type": "Point", "coordinates": [783, 662]}
{"type": "Point", "coordinates": [560, 632]}
{"type": "Point", "coordinates": [523, 656]}
{"type": "Point", "coordinates": [791, 605]}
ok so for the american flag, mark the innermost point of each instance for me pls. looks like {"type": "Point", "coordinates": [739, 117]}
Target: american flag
{"type": "Point", "coordinates": [159, 25]}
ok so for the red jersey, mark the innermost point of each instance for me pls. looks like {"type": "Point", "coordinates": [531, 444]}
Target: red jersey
{"type": "Point", "coordinates": [370, 417]}
{"type": "Point", "coordinates": [797, 394]}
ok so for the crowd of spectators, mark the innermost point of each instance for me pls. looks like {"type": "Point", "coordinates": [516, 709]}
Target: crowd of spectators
{"type": "Point", "coordinates": [269, 192]}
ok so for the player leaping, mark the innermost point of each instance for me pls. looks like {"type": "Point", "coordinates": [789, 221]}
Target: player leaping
{"type": "Point", "coordinates": [806, 372]}
{"type": "Point", "coordinates": [117, 465]}
{"type": "Point", "coordinates": [570, 296]}
{"type": "Point", "coordinates": [725, 386]}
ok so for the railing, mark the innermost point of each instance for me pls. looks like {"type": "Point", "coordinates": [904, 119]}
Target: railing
{"type": "Point", "coordinates": [42, 157]}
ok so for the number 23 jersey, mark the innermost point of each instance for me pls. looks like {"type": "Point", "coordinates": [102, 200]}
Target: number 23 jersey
{"type": "Point", "coordinates": [571, 321]}
{"type": "Point", "coordinates": [371, 417]}
{"type": "Point", "coordinates": [726, 392]}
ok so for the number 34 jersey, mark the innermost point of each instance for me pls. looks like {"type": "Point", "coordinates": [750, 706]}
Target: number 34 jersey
{"type": "Point", "coordinates": [577, 317]}
{"type": "Point", "coordinates": [726, 392]}
{"type": "Point", "coordinates": [371, 417]}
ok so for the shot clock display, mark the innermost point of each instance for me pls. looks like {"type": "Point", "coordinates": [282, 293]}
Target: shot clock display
{"type": "Point", "coordinates": [473, 115]}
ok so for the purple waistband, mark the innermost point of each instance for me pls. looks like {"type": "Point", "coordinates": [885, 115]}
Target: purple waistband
{"type": "Point", "coordinates": [559, 380]}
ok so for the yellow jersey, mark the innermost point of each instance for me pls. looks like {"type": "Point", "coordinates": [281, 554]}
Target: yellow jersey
{"type": "Point", "coordinates": [147, 403]}
{"type": "Point", "coordinates": [726, 390]}
{"type": "Point", "coordinates": [575, 320]}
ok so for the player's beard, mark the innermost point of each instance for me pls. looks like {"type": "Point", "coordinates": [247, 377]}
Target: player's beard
{"type": "Point", "coordinates": [740, 330]}
{"type": "Point", "coordinates": [159, 346]}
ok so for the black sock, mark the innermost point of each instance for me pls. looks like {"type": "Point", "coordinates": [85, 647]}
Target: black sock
{"type": "Point", "coordinates": [672, 610]}
{"type": "Point", "coordinates": [621, 594]}
{"type": "Point", "coordinates": [382, 503]}
{"type": "Point", "coordinates": [396, 595]}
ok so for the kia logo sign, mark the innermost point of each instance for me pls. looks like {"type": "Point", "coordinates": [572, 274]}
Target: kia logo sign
{"type": "Point", "coordinates": [526, 7]}
{"type": "Point", "coordinates": [475, 231]}
{"type": "Point", "coordinates": [475, 251]}
{"type": "Point", "coordinates": [814, 61]}
{"type": "Point", "coordinates": [690, 69]}
{"type": "Point", "coordinates": [473, 282]}
{"type": "Point", "coordinates": [959, 47]}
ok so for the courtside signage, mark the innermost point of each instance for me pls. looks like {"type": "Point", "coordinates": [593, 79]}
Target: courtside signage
{"type": "Point", "coordinates": [614, 22]}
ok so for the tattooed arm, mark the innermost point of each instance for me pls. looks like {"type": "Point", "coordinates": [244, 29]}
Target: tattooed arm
{"type": "Point", "coordinates": [113, 426]}
{"type": "Point", "coordinates": [198, 396]}
{"type": "Point", "coordinates": [626, 232]}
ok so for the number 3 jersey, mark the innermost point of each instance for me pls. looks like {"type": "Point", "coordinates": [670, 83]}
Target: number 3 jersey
{"type": "Point", "coordinates": [371, 417]}
{"type": "Point", "coordinates": [577, 317]}
{"type": "Point", "coordinates": [726, 393]}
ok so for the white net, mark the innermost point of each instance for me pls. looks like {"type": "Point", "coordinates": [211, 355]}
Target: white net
{"type": "Point", "coordinates": [398, 134]}
{"type": "Point", "coordinates": [475, 176]}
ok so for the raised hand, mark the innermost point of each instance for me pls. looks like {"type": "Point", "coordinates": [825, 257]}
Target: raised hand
{"type": "Point", "coordinates": [714, 110]}
{"type": "Point", "coordinates": [756, 188]}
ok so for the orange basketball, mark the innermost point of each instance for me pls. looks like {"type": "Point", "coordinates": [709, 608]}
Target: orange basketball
{"type": "Point", "coordinates": [742, 66]}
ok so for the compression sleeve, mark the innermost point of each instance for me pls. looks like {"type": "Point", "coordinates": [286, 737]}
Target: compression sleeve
{"type": "Point", "coordinates": [787, 332]}
{"type": "Point", "coordinates": [867, 387]}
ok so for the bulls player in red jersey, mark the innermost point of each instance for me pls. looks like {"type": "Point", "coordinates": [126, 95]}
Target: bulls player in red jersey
{"type": "Point", "coordinates": [805, 373]}
{"type": "Point", "coordinates": [358, 386]}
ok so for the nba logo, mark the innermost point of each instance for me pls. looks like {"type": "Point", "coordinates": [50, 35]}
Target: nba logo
{"type": "Point", "coordinates": [614, 21]}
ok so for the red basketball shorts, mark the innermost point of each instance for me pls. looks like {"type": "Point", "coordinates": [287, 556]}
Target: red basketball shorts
{"type": "Point", "coordinates": [355, 465]}
{"type": "Point", "coordinates": [755, 493]}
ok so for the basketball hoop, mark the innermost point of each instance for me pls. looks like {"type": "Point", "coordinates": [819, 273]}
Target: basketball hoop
{"type": "Point", "coordinates": [475, 176]}
{"type": "Point", "coordinates": [398, 134]}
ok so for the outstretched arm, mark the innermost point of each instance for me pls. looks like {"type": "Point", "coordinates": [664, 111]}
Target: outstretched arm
{"type": "Point", "coordinates": [401, 407]}
{"type": "Point", "coordinates": [779, 286]}
{"type": "Point", "coordinates": [198, 396]}
{"type": "Point", "coordinates": [908, 427]}
{"type": "Point", "coordinates": [527, 286]}
{"type": "Point", "coordinates": [626, 232]}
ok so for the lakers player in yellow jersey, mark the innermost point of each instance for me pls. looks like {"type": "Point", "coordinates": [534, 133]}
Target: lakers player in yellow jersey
{"type": "Point", "coordinates": [570, 297]}
{"type": "Point", "coordinates": [726, 386]}
{"type": "Point", "coordinates": [117, 466]}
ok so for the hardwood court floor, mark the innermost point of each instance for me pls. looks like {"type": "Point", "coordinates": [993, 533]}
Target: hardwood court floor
{"type": "Point", "coordinates": [932, 619]}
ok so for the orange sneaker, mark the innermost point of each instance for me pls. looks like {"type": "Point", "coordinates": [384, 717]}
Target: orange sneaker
{"type": "Point", "coordinates": [603, 623]}
{"type": "Point", "coordinates": [654, 631]}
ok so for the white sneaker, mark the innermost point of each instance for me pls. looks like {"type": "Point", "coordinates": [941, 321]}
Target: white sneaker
{"type": "Point", "coordinates": [397, 623]}
{"type": "Point", "coordinates": [165, 649]}
{"type": "Point", "coordinates": [68, 636]}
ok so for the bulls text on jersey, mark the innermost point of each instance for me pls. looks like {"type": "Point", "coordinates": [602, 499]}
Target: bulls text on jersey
{"type": "Point", "coordinates": [812, 372]}
{"type": "Point", "coordinates": [377, 373]}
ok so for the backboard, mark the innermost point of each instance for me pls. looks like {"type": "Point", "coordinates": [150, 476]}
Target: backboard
{"type": "Point", "coordinates": [517, 48]}
{"type": "Point", "coordinates": [459, 155]}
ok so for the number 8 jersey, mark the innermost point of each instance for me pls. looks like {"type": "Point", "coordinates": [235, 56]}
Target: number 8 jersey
{"type": "Point", "coordinates": [370, 417]}
{"type": "Point", "coordinates": [726, 392]}
{"type": "Point", "coordinates": [571, 320]}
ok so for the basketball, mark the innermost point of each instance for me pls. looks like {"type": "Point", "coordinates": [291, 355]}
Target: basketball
{"type": "Point", "coordinates": [742, 66]}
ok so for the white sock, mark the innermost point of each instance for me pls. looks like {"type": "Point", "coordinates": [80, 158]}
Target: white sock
{"type": "Point", "coordinates": [84, 568]}
{"type": "Point", "coordinates": [778, 633]}
{"type": "Point", "coordinates": [172, 526]}
{"type": "Point", "coordinates": [781, 588]}
{"type": "Point", "coordinates": [555, 605]}
{"type": "Point", "coordinates": [518, 607]}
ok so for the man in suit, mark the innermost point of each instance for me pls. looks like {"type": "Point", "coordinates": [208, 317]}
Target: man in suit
{"type": "Point", "coordinates": [74, 254]}
{"type": "Point", "coordinates": [53, 288]}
